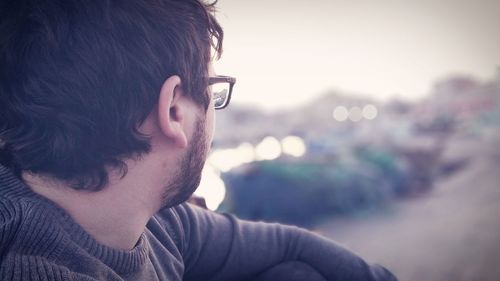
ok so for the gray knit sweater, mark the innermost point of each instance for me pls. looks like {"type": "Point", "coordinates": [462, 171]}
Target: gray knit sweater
{"type": "Point", "coordinates": [39, 241]}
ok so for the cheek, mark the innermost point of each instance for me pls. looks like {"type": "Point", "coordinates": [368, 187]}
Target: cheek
{"type": "Point", "coordinates": [210, 125]}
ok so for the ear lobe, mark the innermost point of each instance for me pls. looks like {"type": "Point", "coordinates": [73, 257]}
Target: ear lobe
{"type": "Point", "coordinates": [170, 111]}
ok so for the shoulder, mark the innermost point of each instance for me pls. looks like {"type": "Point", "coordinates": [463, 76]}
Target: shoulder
{"type": "Point", "coordinates": [172, 224]}
{"type": "Point", "coordinates": [10, 221]}
{"type": "Point", "coordinates": [189, 218]}
{"type": "Point", "coordinates": [178, 218]}
{"type": "Point", "coordinates": [28, 228]}
{"type": "Point", "coordinates": [185, 223]}
{"type": "Point", "coordinates": [17, 267]}
{"type": "Point", "coordinates": [18, 260]}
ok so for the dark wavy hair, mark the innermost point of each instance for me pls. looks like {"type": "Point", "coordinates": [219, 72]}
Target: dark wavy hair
{"type": "Point", "coordinates": [78, 78]}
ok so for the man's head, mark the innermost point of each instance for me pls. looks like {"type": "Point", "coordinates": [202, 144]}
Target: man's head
{"type": "Point", "coordinates": [79, 78]}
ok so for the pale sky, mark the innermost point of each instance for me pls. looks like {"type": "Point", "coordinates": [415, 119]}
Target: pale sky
{"type": "Point", "coordinates": [285, 52]}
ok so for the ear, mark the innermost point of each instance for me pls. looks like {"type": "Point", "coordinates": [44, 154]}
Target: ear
{"type": "Point", "coordinates": [171, 111]}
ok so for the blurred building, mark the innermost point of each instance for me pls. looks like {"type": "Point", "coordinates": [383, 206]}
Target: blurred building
{"type": "Point", "coordinates": [462, 99]}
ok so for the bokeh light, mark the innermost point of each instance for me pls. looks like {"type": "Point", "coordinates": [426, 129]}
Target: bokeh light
{"type": "Point", "coordinates": [370, 112]}
{"type": "Point", "coordinates": [340, 113]}
{"type": "Point", "coordinates": [355, 114]}
{"type": "Point", "coordinates": [294, 146]}
{"type": "Point", "coordinates": [226, 159]}
{"type": "Point", "coordinates": [211, 188]}
{"type": "Point", "coordinates": [268, 149]}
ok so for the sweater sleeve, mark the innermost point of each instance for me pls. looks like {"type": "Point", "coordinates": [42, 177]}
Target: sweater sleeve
{"type": "Point", "coordinates": [221, 247]}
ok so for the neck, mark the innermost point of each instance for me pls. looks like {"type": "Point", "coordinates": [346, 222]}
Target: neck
{"type": "Point", "coordinates": [115, 216]}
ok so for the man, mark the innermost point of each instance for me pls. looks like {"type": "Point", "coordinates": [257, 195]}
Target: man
{"type": "Point", "coordinates": [107, 114]}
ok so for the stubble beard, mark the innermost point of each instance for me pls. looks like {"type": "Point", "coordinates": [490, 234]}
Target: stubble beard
{"type": "Point", "coordinates": [188, 177]}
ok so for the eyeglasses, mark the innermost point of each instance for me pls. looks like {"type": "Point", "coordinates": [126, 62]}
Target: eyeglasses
{"type": "Point", "coordinates": [221, 88]}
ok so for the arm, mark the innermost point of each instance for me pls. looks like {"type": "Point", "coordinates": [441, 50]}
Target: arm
{"type": "Point", "coordinates": [290, 271]}
{"type": "Point", "coordinates": [221, 247]}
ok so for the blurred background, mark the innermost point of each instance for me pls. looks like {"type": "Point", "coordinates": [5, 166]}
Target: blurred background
{"type": "Point", "coordinates": [375, 123]}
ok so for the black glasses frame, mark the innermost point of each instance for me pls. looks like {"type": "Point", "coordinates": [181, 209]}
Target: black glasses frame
{"type": "Point", "coordinates": [223, 79]}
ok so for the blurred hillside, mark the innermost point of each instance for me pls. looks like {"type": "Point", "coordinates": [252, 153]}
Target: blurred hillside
{"type": "Point", "coordinates": [457, 102]}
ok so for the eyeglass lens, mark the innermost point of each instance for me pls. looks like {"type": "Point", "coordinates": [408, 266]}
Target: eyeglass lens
{"type": "Point", "coordinates": [220, 93]}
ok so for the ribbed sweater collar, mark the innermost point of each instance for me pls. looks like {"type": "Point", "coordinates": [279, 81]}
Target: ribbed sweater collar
{"type": "Point", "coordinates": [119, 260]}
